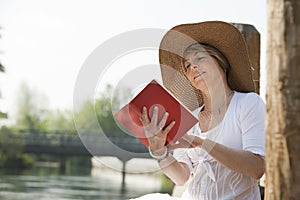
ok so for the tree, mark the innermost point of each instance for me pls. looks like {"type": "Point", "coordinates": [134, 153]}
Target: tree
{"type": "Point", "coordinates": [84, 118]}
{"type": "Point", "coordinates": [2, 69]}
{"type": "Point", "coordinates": [104, 107]}
{"type": "Point", "coordinates": [60, 121]}
{"type": "Point", "coordinates": [283, 100]}
{"type": "Point", "coordinates": [1, 66]}
{"type": "Point", "coordinates": [31, 111]}
{"type": "Point", "coordinates": [11, 155]}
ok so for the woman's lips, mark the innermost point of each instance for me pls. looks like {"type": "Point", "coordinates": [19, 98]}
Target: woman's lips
{"type": "Point", "coordinates": [198, 75]}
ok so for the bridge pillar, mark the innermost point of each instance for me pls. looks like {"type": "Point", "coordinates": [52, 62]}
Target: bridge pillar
{"type": "Point", "coordinates": [123, 171]}
{"type": "Point", "coordinates": [62, 164]}
{"type": "Point", "coordinates": [123, 176]}
{"type": "Point", "coordinates": [124, 160]}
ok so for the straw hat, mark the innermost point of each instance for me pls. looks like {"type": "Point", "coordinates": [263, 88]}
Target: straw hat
{"type": "Point", "coordinates": [221, 35]}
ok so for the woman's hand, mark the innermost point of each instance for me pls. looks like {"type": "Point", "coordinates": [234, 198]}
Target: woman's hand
{"type": "Point", "coordinates": [187, 141]}
{"type": "Point", "coordinates": [154, 129]}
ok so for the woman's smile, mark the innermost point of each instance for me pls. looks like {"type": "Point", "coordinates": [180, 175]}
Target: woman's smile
{"type": "Point", "coordinates": [198, 74]}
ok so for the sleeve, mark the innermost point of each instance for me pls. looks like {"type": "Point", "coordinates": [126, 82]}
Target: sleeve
{"type": "Point", "coordinates": [253, 124]}
{"type": "Point", "coordinates": [181, 156]}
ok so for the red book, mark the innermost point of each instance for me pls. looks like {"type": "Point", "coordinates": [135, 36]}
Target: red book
{"type": "Point", "coordinates": [156, 95]}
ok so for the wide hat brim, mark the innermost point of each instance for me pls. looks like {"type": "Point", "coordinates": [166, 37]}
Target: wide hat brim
{"type": "Point", "coordinates": [221, 35]}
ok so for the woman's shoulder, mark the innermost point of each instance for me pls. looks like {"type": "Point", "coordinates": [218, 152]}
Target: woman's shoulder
{"type": "Point", "coordinates": [248, 101]}
{"type": "Point", "coordinates": [250, 97]}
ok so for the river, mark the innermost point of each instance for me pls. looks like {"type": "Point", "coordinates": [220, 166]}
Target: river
{"type": "Point", "coordinates": [45, 183]}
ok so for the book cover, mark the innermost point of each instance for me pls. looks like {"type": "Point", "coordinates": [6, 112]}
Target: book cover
{"type": "Point", "coordinates": [156, 95]}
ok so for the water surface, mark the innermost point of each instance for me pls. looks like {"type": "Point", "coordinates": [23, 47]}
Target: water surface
{"type": "Point", "coordinates": [47, 183]}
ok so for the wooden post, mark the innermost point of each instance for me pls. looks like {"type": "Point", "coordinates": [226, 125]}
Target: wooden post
{"type": "Point", "coordinates": [252, 38]}
{"type": "Point", "coordinates": [283, 100]}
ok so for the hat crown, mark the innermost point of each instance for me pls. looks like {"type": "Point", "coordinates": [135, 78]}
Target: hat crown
{"type": "Point", "coordinates": [223, 36]}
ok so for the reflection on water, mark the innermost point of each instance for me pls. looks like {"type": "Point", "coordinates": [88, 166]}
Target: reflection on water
{"type": "Point", "coordinates": [100, 183]}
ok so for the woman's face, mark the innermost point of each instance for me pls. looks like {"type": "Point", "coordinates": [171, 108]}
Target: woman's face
{"type": "Point", "coordinates": [203, 70]}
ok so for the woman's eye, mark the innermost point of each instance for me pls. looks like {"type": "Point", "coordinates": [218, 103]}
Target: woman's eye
{"type": "Point", "coordinates": [187, 66]}
{"type": "Point", "coordinates": [200, 58]}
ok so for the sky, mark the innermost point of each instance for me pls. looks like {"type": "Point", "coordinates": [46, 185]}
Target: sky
{"type": "Point", "coordinates": [45, 43]}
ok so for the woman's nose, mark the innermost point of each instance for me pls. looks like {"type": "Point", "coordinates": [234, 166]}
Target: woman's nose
{"type": "Point", "coordinates": [194, 66]}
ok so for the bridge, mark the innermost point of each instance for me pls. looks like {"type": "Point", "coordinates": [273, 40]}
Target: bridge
{"type": "Point", "coordinates": [65, 145]}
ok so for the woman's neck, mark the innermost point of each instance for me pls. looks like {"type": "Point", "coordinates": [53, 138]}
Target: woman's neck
{"type": "Point", "coordinates": [216, 99]}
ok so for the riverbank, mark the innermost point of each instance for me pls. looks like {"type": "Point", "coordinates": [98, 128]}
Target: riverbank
{"type": "Point", "coordinates": [44, 181]}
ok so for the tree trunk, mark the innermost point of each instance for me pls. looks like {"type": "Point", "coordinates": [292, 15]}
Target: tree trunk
{"type": "Point", "coordinates": [283, 100]}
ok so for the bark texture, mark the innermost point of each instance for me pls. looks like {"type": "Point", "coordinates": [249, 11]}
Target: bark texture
{"type": "Point", "coordinates": [283, 100]}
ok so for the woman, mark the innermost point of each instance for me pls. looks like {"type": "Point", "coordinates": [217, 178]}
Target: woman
{"type": "Point", "coordinates": [225, 154]}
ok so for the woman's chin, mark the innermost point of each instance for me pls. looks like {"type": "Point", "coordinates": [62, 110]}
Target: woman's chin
{"type": "Point", "coordinates": [199, 82]}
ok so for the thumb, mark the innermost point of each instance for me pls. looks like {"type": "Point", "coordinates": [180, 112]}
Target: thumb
{"type": "Point", "coordinates": [179, 145]}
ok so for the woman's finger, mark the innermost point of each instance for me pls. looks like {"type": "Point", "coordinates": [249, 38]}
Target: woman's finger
{"type": "Point", "coordinates": [193, 140]}
{"type": "Point", "coordinates": [167, 129]}
{"type": "Point", "coordinates": [163, 121]}
{"type": "Point", "coordinates": [187, 141]}
{"type": "Point", "coordinates": [145, 119]}
{"type": "Point", "coordinates": [154, 117]}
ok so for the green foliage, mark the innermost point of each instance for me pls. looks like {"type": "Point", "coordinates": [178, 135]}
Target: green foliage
{"type": "Point", "coordinates": [167, 185]}
{"type": "Point", "coordinates": [103, 109]}
{"type": "Point", "coordinates": [11, 155]}
{"type": "Point", "coordinates": [3, 115]}
{"type": "Point", "coordinates": [106, 105]}
{"type": "Point", "coordinates": [34, 117]}
{"type": "Point", "coordinates": [31, 110]}
{"type": "Point", "coordinates": [2, 69]}
{"type": "Point", "coordinates": [86, 118]}
{"type": "Point", "coordinates": [105, 117]}
{"type": "Point", "coordinates": [60, 121]}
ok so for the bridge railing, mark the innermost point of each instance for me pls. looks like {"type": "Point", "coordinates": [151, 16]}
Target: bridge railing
{"type": "Point", "coordinates": [71, 144]}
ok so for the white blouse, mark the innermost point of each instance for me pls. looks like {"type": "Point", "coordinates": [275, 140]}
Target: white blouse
{"type": "Point", "coordinates": [242, 128]}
